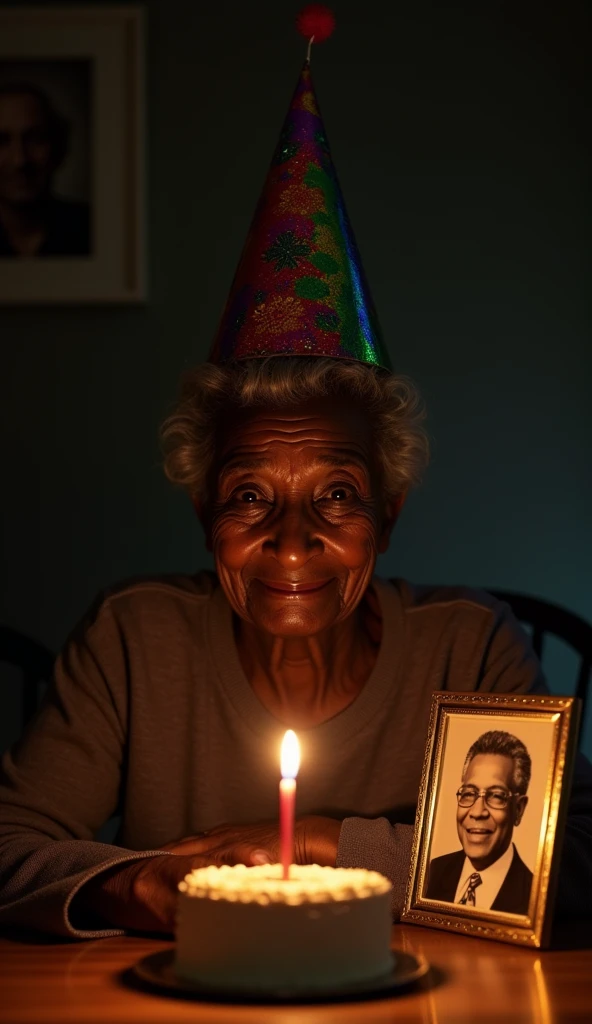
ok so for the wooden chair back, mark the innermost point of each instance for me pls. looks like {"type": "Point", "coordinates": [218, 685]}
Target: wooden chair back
{"type": "Point", "coordinates": [32, 659]}
{"type": "Point", "coordinates": [544, 617]}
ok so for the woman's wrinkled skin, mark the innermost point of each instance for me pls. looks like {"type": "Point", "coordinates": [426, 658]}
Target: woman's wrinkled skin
{"type": "Point", "coordinates": [295, 522]}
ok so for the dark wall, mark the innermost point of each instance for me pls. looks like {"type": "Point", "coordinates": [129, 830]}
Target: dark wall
{"type": "Point", "coordinates": [459, 133]}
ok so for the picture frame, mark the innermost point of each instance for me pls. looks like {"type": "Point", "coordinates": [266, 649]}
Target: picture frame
{"type": "Point", "coordinates": [491, 815]}
{"type": "Point", "coordinates": [71, 155]}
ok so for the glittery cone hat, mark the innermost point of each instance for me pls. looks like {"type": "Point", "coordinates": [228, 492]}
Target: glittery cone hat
{"type": "Point", "coordinates": [299, 288]}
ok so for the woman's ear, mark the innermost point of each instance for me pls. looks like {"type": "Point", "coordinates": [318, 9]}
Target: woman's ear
{"type": "Point", "coordinates": [391, 512]}
{"type": "Point", "coordinates": [202, 512]}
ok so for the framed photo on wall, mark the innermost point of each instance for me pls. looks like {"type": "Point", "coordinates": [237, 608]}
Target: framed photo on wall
{"type": "Point", "coordinates": [71, 155]}
{"type": "Point", "coordinates": [490, 816]}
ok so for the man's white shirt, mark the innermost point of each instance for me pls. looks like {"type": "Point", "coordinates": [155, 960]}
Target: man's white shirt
{"type": "Point", "coordinates": [492, 879]}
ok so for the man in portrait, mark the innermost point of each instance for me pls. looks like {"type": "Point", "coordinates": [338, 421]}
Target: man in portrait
{"type": "Point", "coordinates": [488, 872]}
{"type": "Point", "coordinates": [34, 221]}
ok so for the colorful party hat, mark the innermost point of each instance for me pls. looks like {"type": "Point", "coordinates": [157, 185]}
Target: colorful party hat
{"type": "Point", "coordinates": [300, 288]}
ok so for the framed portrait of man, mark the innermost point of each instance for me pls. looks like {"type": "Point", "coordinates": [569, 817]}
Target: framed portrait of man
{"type": "Point", "coordinates": [71, 155]}
{"type": "Point", "coordinates": [489, 822]}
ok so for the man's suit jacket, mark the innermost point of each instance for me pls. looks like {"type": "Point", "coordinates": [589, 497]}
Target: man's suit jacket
{"type": "Point", "coordinates": [514, 894]}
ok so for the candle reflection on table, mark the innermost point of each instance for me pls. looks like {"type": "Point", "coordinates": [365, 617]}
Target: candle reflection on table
{"type": "Point", "coordinates": [499, 976]}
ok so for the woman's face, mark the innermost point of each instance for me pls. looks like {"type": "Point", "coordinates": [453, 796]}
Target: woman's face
{"type": "Point", "coordinates": [296, 519]}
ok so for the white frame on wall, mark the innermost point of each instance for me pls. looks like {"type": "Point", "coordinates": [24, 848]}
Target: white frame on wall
{"type": "Point", "coordinates": [112, 38]}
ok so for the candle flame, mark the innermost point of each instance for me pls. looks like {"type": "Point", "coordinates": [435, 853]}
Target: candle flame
{"type": "Point", "coordinates": [290, 756]}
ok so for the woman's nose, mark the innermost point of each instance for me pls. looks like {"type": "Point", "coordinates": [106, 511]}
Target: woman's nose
{"type": "Point", "coordinates": [294, 538]}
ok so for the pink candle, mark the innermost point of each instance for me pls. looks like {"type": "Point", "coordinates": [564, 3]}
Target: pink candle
{"type": "Point", "coordinates": [290, 762]}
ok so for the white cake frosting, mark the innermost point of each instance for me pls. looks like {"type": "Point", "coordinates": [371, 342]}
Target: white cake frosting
{"type": "Point", "coordinates": [246, 929]}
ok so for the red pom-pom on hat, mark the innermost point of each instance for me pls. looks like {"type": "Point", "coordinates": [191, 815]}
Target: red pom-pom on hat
{"type": "Point", "coordinates": [316, 20]}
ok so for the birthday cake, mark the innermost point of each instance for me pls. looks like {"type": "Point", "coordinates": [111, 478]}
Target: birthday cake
{"type": "Point", "coordinates": [245, 929]}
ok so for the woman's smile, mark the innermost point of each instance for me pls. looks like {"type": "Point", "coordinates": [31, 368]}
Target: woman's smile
{"type": "Point", "coordinates": [293, 590]}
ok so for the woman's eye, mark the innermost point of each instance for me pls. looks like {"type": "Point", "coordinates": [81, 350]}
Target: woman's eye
{"type": "Point", "coordinates": [338, 495]}
{"type": "Point", "coordinates": [248, 497]}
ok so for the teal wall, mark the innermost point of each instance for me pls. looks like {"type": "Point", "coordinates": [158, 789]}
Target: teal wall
{"type": "Point", "coordinates": [459, 138]}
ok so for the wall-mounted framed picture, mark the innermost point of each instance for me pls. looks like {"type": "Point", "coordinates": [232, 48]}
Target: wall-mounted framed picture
{"type": "Point", "coordinates": [71, 155]}
{"type": "Point", "coordinates": [490, 816]}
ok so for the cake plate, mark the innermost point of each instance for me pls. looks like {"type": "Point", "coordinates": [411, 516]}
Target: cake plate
{"type": "Point", "coordinates": [156, 971]}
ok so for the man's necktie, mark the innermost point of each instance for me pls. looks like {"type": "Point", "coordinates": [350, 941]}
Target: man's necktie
{"type": "Point", "coordinates": [468, 896]}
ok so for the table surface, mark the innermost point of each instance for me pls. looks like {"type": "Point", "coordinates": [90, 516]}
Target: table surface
{"type": "Point", "coordinates": [471, 980]}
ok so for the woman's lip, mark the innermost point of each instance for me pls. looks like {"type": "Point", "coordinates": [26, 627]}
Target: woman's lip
{"type": "Point", "coordinates": [294, 588]}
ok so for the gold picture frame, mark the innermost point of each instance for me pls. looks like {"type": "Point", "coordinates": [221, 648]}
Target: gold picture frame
{"type": "Point", "coordinates": [72, 101]}
{"type": "Point", "coordinates": [511, 906]}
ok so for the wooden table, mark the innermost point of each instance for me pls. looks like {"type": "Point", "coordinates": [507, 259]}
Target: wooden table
{"type": "Point", "coordinates": [473, 980]}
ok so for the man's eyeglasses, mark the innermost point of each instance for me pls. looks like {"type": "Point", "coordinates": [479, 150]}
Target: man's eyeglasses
{"type": "Point", "coordinates": [495, 797]}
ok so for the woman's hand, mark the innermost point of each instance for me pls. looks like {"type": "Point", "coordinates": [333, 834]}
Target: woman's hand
{"type": "Point", "coordinates": [139, 896]}
{"type": "Point", "coordinates": [315, 842]}
{"type": "Point", "coordinates": [142, 896]}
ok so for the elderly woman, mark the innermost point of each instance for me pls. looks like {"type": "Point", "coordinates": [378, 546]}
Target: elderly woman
{"type": "Point", "coordinates": [170, 699]}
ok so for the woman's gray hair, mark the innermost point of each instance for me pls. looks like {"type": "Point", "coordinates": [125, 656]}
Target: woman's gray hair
{"type": "Point", "coordinates": [498, 742]}
{"type": "Point", "coordinates": [392, 403]}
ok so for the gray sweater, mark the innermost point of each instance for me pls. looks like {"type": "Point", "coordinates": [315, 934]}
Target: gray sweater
{"type": "Point", "coordinates": [150, 717]}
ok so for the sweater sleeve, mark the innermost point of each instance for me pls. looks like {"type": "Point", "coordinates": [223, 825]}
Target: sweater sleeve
{"type": "Point", "coordinates": [378, 845]}
{"type": "Point", "coordinates": [60, 782]}
{"type": "Point", "coordinates": [508, 665]}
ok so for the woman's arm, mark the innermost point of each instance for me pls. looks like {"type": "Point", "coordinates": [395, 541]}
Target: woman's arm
{"type": "Point", "coordinates": [61, 781]}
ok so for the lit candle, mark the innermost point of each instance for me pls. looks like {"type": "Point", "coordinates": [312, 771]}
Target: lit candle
{"type": "Point", "coordinates": [290, 763]}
